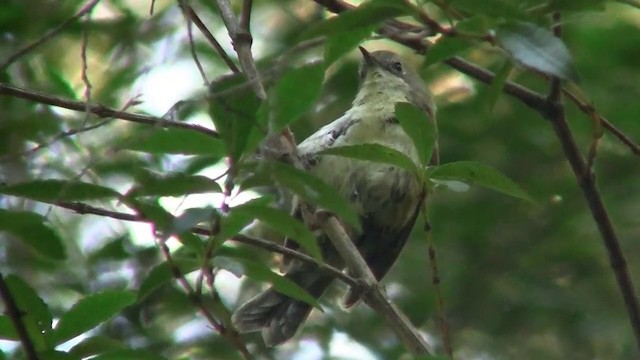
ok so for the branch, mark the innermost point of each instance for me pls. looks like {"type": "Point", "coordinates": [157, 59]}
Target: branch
{"type": "Point", "coordinates": [212, 40]}
{"type": "Point", "coordinates": [14, 313]}
{"type": "Point", "coordinates": [586, 180]}
{"type": "Point", "coordinates": [99, 110]}
{"type": "Point", "coordinates": [241, 39]}
{"type": "Point", "coordinates": [82, 208]}
{"type": "Point", "coordinates": [374, 295]}
{"type": "Point", "coordinates": [48, 36]}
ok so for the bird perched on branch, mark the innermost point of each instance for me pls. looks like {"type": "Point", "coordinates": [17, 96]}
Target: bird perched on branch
{"type": "Point", "coordinates": [386, 198]}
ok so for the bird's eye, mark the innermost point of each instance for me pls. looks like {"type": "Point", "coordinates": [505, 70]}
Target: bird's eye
{"type": "Point", "coordinates": [397, 66]}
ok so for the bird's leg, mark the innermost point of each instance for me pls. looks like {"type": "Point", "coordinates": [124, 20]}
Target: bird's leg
{"type": "Point", "coordinates": [314, 218]}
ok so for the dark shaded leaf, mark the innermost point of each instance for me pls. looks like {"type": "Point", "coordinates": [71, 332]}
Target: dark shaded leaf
{"type": "Point", "coordinates": [480, 174]}
{"type": "Point", "coordinates": [59, 190]}
{"type": "Point", "coordinates": [262, 273]}
{"type": "Point", "coordinates": [445, 48]}
{"type": "Point", "coordinates": [419, 127]}
{"type": "Point", "coordinates": [91, 311]}
{"type": "Point", "coordinates": [338, 45]}
{"type": "Point", "coordinates": [96, 345]}
{"type": "Point", "coordinates": [36, 318]}
{"type": "Point", "coordinates": [281, 222]}
{"type": "Point", "coordinates": [532, 46]}
{"type": "Point", "coordinates": [294, 94]}
{"type": "Point", "coordinates": [369, 14]}
{"type": "Point", "coordinates": [7, 331]}
{"type": "Point", "coordinates": [34, 232]}
{"type": "Point", "coordinates": [315, 191]}
{"type": "Point", "coordinates": [129, 354]}
{"type": "Point", "coordinates": [495, 89]}
{"type": "Point", "coordinates": [149, 183]}
{"type": "Point", "coordinates": [163, 273]}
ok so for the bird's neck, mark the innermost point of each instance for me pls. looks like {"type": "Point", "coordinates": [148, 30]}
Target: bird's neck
{"type": "Point", "coordinates": [377, 97]}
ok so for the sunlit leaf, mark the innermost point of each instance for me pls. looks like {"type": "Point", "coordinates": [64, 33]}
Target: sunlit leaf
{"type": "Point", "coordinates": [174, 141]}
{"type": "Point", "coordinates": [96, 345]}
{"type": "Point", "coordinates": [172, 184]}
{"type": "Point", "coordinates": [36, 317]}
{"type": "Point", "coordinates": [339, 44]}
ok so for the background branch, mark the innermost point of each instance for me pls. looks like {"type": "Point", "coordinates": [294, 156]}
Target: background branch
{"type": "Point", "coordinates": [99, 110]}
{"type": "Point", "coordinates": [14, 313]}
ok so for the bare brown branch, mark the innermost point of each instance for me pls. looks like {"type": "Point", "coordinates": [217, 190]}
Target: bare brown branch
{"type": "Point", "coordinates": [99, 110]}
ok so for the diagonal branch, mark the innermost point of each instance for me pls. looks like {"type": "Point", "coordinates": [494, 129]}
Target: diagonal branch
{"type": "Point", "coordinates": [50, 35]}
{"type": "Point", "coordinates": [14, 313]}
{"type": "Point", "coordinates": [98, 110]}
{"type": "Point", "coordinates": [586, 180]}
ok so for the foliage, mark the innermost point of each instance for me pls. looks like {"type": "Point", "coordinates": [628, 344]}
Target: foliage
{"type": "Point", "coordinates": [518, 279]}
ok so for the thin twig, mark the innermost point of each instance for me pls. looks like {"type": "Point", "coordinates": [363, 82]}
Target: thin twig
{"type": "Point", "coordinates": [433, 260]}
{"type": "Point", "coordinates": [192, 45]}
{"type": "Point", "coordinates": [60, 136]}
{"type": "Point", "coordinates": [209, 36]}
{"type": "Point", "coordinates": [48, 36]}
{"type": "Point", "coordinates": [586, 181]}
{"type": "Point", "coordinates": [99, 110]}
{"type": "Point", "coordinates": [85, 66]}
{"type": "Point", "coordinates": [15, 314]}
{"type": "Point", "coordinates": [82, 208]}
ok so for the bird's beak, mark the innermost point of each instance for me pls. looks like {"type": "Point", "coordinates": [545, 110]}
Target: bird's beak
{"type": "Point", "coordinates": [368, 59]}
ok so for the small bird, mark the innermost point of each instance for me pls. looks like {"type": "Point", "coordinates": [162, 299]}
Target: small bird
{"type": "Point", "coordinates": [386, 198]}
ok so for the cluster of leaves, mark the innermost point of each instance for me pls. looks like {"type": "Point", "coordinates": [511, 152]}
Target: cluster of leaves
{"type": "Point", "coordinates": [55, 263]}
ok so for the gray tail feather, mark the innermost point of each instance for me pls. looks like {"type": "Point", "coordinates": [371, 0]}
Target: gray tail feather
{"type": "Point", "coordinates": [277, 315]}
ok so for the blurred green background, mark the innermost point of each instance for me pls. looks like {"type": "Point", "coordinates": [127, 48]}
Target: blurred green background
{"type": "Point", "coordinates": [518, 281]}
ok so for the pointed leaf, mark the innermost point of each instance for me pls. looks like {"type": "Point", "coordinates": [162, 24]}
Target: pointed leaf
{"type": "Point", "coordinates": [537, 48]}
{"type": "Point", "coordinates": [58, 190]}
{"type": "Point", "coordinates": [294, 94]}
{"type": "Point", "coordinates": [260, 272]}
{"type": "Point", "coordinates": [339, 44]}
{"type": "Point", "coordinates": [149, 183]}
{"type": "Point", "coordinates": [36, 315]}
{"type": "Point", "coordinates": [495, 89]}
{"type": "Point", "coordinates": [375, 153]}
{"type": "Point", "coordinates": [32, 230]}
{"type": "Point", "coordinates": [163, 273]}
{"type": "Point", "coordinates": [175, 141]}
{"type": "Point", "coordinates": [371, 13]}
{"type": "Point", "coordinates": [7, 331]}
{"type": "Point", "coordinates": [419, 127]}
{"type": "Point", "coordinates": [96, 345]}
{"type": "Point", "coordinates": [446, 47]}
{"type": "Point", "coordinates": [315, 191]}
{"type": "Point", "coordinates": [91, 311]}
{"type": "Point", "coordinates": [476, 173]}
{"type": "Point", "coordinates": [283, 223]}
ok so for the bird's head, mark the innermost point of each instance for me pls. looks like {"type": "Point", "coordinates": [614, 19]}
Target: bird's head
{"type": "Point", "coordinates": [384, 72]}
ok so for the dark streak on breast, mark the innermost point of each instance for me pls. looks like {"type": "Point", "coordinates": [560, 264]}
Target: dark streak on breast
{"type": "Point", "coordinates": [336, 133]}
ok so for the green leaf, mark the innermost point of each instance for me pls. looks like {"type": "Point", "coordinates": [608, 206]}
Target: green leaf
{"type": "Point", "coordinates": [58, 190]}
{"type": "Point", "coordinates": [32, 230]}
{"type": "Point", "coordinates": [96, 345]}
{"type": "Point", "coordinates": [419, 127]}
{"type": "Point", "coordinates": [368, 14]}
{"type": "Point", "coordinates": [36, 315]}
{"type": "Point", "coordinates": [493, 8]}
{"type": "Point", "coordinates": [234, 115]}
{"type": "Point", "coordinates": [91, 311]}
{"type": "Point", "coordinates": [7, 331]}
{"type": "Point", "coordinates": [285, 224]}
{"type": "Point", "coordinates": [149, 183]}
{"type": "Point", "coordinates": [190, 218]}
{"type": "Point", "coordinates": [174, 141]}
{"type": "Point", "coordinates": [235, 221]}
{"type": "Point", "coordinates": [163, 273]}
{"type": "Point", "coordinates": [446, 47]}
{"type": "Point", "coordinates": [262, 273]}
{"type": "Point", "coordinates": [534, 47]}
{"type": "Point", "coordinates": [375, 153]}
{"type": "Point", "coordinates": [339, 44]}
{"type": "Point", "coordinates": [129, 354]}
{"type": "Point", "coordinates": [315, 191]}
{"type": "Point", "coordinates": [495, 89]}
{"type": "Point", "coordinates": [476, 173]}
{"type": "Point", "coordinates": [294, 94]}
